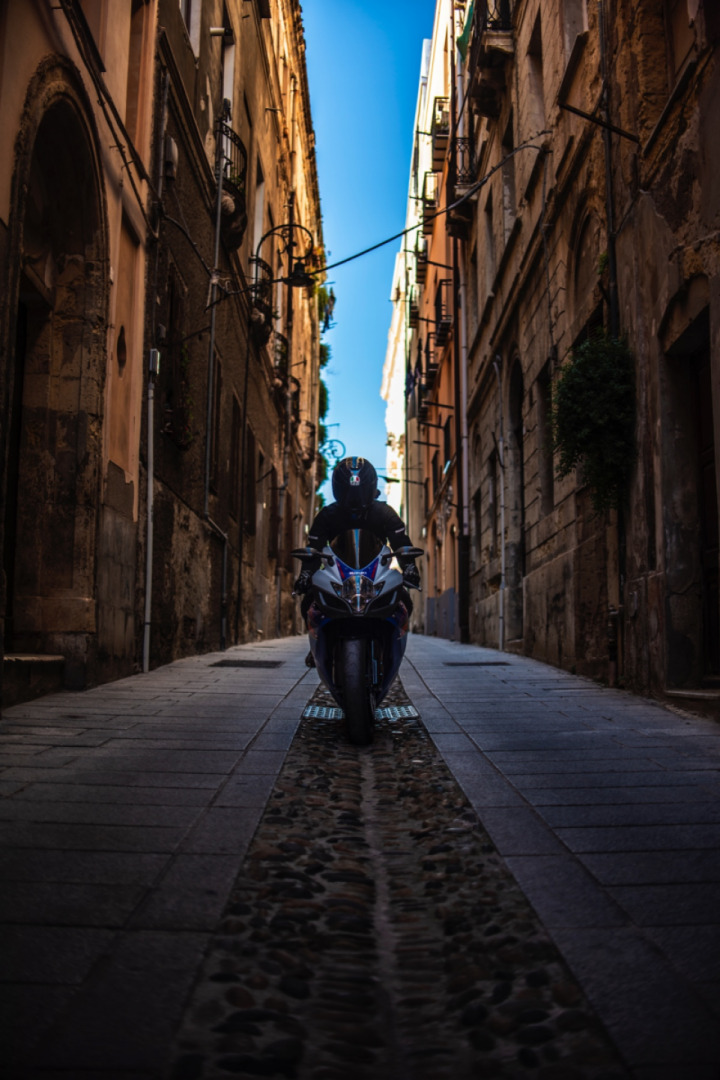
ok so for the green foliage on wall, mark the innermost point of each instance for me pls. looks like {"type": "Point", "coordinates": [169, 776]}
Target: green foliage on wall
{"type": "Point", "coordinates": [323, 400]}
{"type": "Point", "coordinates": [593, 418]}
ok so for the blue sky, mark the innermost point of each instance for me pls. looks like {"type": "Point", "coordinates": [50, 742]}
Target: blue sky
{"type": "Point", "coordinates": [363, 60]}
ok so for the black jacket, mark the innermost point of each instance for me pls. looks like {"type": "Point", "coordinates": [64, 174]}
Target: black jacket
{"type": "Point", "coordinates": [379, 518]}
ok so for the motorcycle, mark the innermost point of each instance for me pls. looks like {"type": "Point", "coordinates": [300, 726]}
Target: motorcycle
{"type": "Point", "coordinates": [357, 613]}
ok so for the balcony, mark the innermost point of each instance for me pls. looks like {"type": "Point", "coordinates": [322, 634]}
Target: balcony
{"type": "Point", "coordinates": [429, 201]}
{"type": "Point", "coordinates": [413, 309]}
{"type": "Point", "coordinates": [282, 352]}
{"type": "Point", "coordinates": [465, 166]}
{"type": "Point", "coordinates": [233, 167]}
{"type": "Point", "coordinates": [463, 175]}
{"type": "Point", "coordinates": [412, 393]}
{"type": "Point", "coordinates": [421, 260]}
{"type": "Point", "coordinates": [491, 45]}
{"type": "Point", "coordinates": [443, 311]}
{"type": "Point", "coordinates": [430, 365]}
{"type": "Point", "coordinates": [261, 315]}
{"type": "Point", "coordinates": [423, 407]}
{"type": "Point", "coordinates": [440, 132]}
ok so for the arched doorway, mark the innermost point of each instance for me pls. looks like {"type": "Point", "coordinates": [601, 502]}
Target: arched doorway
{"type": "Point", "coordinates": [689, 487]}
{"type": "Point", "coordinates": [57, 304]}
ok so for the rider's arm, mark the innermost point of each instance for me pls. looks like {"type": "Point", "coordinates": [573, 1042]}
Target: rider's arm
{"type": "Point", "coordinates": [321, 530]}
{"type": "Point", "coordinates": [394, 528]}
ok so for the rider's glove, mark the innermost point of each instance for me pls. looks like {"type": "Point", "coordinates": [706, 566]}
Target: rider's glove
{"type": "Point", "coordinates": [411, 576]}
{"type": "Point", "coordinates": [303, 582]}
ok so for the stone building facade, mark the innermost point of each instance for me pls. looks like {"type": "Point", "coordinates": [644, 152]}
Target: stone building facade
{"type": "Point", "coordinates": [76, 116]}
{"type": "Point", "coordinates": [117, 252]}
{"type": "Point", "coordinates": [233, 480]}
{"type": "Point", "coordinates": [587, 128]}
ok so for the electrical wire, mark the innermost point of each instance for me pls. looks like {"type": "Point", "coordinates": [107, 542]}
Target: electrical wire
{"type": "Point", "coordinates": [529, 145]}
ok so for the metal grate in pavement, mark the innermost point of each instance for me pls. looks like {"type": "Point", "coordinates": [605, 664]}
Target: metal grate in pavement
{"type": "Point", "coordinates": [476, 663]}
{"type": "Point", "coordinates": [248, 663]}
{"type": "Point", "coordinates": [322, 712]}
{"type": "Point", "coordinates": [389, 712]}
{"type": "Point", "coordinates": [397, 712]}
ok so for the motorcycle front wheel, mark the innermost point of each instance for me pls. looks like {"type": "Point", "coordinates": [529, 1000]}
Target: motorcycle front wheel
{"type": "Point", "coordinates": [358, 701]}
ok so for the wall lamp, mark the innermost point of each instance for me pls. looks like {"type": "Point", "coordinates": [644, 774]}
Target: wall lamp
{"type": "Point", "coordinates": [298, 277]}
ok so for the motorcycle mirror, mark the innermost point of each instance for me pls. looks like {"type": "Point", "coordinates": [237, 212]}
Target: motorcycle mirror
{"type": "Point", "coordinates": [409, 552]}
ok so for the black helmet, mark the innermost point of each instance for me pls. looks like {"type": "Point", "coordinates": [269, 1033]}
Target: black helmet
{"type": "Point", "coordinates": [354, 483]}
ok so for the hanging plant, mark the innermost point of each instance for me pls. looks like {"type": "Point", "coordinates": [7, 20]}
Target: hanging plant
{"type": "Point", "coordinates": [593, 418]}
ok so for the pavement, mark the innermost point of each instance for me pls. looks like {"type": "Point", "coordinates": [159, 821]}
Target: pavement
{"type": "Point", "coordinates": [128, 809]}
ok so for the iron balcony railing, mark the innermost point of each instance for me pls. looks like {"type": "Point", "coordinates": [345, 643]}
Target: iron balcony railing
{"type": "Point", "coordinates": [489, 15]}
{"type": "Point", "coordinates": [440, 131]}
{"type": "Point", "coordinates": [430, 365]}
{"type": "Point", "coordinates": [282, 353]}
{"type": "Point", "coordinates": [429, 201]}
{"type": "Point", "coordinates": [464, 162]}
{"type": "Point", "coordinates": [413, 308]}
{"type": "Point", "coordinates": [421, 260]}
{"type": "Point", "coordinates": [233, 159]}
{"type": "Point", "coordinates": [443, 311]}
{"type": "Point", "coordinates": [494, 15]}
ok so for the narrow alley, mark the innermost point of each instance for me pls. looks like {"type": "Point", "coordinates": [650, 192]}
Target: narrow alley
{"type": "Point", "coordinates": [197, 883]}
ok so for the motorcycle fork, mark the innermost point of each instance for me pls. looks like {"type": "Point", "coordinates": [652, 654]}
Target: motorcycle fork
{"type": "Point", "coordinates": [375, 665]}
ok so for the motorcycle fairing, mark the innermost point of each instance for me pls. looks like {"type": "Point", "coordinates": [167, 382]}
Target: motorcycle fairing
{"type": "Point", "coordinates": [382, 618]}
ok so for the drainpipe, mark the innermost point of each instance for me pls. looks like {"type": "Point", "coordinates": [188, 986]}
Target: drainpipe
{"type": "Point", "coordinates": [288, 428]}
{"type": "Point", "coordinates": [153, 370]}
{"type": "Point", "coordinates": [213, 314]}
{"type": "Point", "coordinates": [613, 306]}
{"type": "Point", "coordinates": [460, 383]}
{"type": "Point", "coordinates": [211, 380]}
{"type": "Point", "coordinates": [614, 616]}
{"type": "Point", "coordinates": [497, 362]}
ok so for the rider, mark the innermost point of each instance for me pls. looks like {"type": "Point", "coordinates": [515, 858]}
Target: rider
{"type": "Point", "coordinates": [354, 485]}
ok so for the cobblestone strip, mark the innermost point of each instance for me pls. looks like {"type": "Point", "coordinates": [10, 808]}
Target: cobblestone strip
{"type": "Point", "coordinates": [374, 932]}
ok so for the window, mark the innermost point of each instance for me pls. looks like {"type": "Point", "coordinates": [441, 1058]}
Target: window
{"type": "Point", "coordinates": [574, 22]}
{"type": "Point", "coordinates": [215, 429]}
{"type": "Point", "coordinates": [489, 247]}
{"type": "Point", "coordinates": [190, 11]}
{"type": "Point", "coordinates": [274, 524]}
{"type": "Point", "coordinates": [536, 82]}
{"type": "Point", "coordinates": [475, 550]}
{"type": "Point", "coordinates": [289, 531]}
{"type": "Point", "coordinates": [680, 36]}
{"type": "Point", "coordinates": [493, 489]}
{"type": "Point", "coordinates": [546, 475]}
{"type": "Point", "coordinates": [508, 181]}
{"type": "Point", "coordinates": [250, 467]}
{"type": "Point", "coordinates": [135, 57]}
{"type": "Point", "coordinates": [447, 441]}
{"type": "Point", "coordinates": [473, 291]}
{"type": "Point", "coordinates": [228, 60]}
{"type": "Point", "coordinates": [259, 211]}
{"type": "Point", "coordinates": [234, 496]}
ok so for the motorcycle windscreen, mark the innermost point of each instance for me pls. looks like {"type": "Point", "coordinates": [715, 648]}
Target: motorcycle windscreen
{"type": "Point", "coordinates": [357, 547]}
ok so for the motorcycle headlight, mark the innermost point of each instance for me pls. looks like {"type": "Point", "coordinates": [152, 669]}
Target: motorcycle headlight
{"type": "Point", "coordinates": [358, 590]}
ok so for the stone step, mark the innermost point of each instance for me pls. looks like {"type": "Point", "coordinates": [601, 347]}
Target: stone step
{"type": "Point", "coordinates": [30, 675]}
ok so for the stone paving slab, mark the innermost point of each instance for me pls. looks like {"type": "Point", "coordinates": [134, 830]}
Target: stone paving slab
{"type": "Point", "coordinates": [144, 796]}
{"type": "Point", "coordinates": [606, 808]}
{"type": "Point", "coordinates": [119, 845]}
